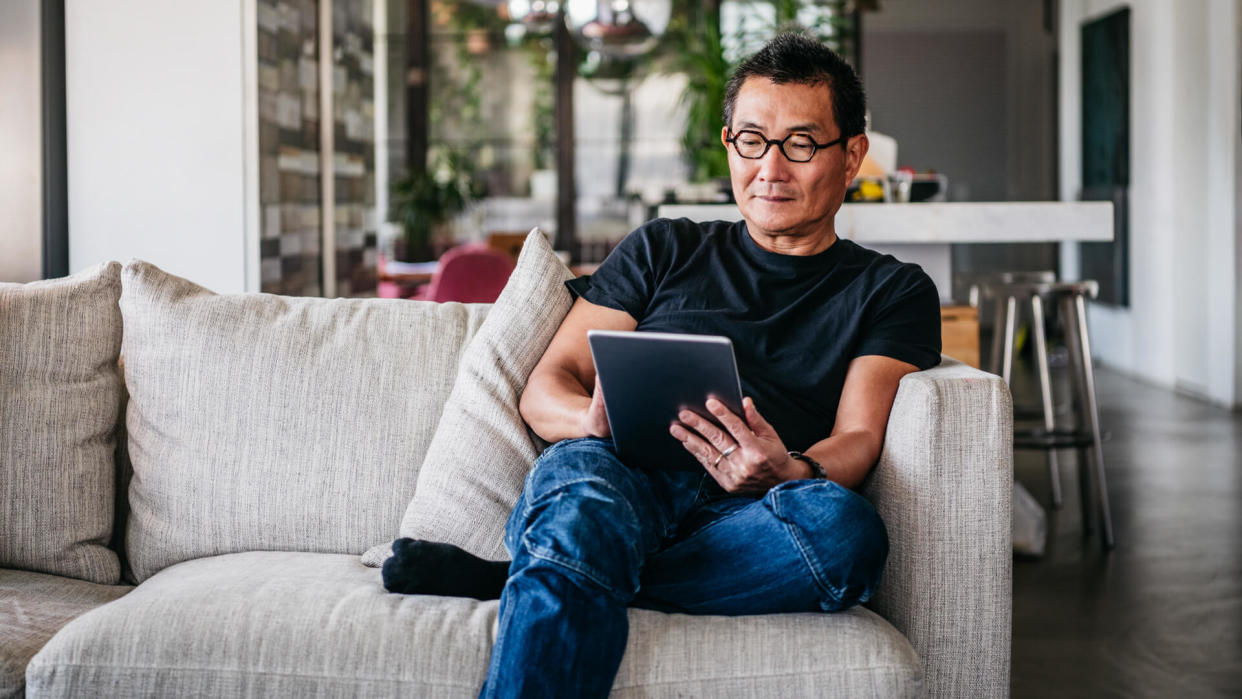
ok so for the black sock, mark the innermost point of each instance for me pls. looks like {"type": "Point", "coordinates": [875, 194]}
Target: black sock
{"type": "Point", "coordinates": [431, 568]}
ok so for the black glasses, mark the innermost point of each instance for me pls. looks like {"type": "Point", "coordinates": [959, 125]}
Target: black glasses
{"type": "Point", "coordinates": [796, 147]}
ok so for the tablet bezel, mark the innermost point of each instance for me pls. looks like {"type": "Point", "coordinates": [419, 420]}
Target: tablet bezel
{"type": "Point", "coordinates": [648, 376]}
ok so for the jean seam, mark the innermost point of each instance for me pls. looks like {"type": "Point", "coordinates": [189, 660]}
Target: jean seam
{"type": "Point", "coordinates": [540, 552]}
{"type": "Point", "coordinates": [530, 503]}
{"type": "Point", "coordinates": [505, 613]}
{"type": "Point", "coordinates": [698, 491]}
{"type": "Point", "coordinates": [710, 524]}
{"type": "Point", "coordinates": [556, 446]}
{"type": "Point", "coordinates": [586, 571]}
{"type": "Point", "coordinates": [808, 558]}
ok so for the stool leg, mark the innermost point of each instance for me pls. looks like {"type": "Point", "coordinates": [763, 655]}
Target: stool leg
{"type": "Point", "coordinates": [1085, 494]}
{"type": "Point", "coordinates": [1045, 394]}
{"type": "Point", "coordinates": [1011, 312]}
{"type": "Point", "coordinates": [998, 335]}
{"type": "Point", "coordinates": [1085, 501]}
{"type": "Point", "coordinates": [1093, 413]}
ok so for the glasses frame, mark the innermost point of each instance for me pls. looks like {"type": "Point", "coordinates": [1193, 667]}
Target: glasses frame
{"type": "Point", "coordinates": [780, 145]}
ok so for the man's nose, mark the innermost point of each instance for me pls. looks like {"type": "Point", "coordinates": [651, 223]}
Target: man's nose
{"type": "Point", "coordinates": [774, 166]}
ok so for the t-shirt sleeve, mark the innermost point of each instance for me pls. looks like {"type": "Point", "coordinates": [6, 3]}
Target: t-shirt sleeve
{"type": "Point", "coordinates": [625, 280]}
{"type": "Point", "coordinates": [907, 326]}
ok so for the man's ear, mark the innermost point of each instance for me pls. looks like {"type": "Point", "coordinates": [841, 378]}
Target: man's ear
{"type": "Point", "coordinates": [855, 151]}
{"type": "Point", "coordinates": [724, 136]}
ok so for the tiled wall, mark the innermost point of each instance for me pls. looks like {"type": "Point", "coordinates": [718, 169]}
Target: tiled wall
{"type": "Point", "coordinates": [353, 87]}
{"type": "Point", "coordinates": [290, 165]}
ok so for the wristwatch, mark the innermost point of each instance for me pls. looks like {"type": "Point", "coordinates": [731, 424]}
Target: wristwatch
{"type": "Point", "coordinates": [817, 471]}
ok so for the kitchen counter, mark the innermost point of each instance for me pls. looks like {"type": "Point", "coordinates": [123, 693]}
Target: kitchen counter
{"type": "Point", "coordinates": [956, 222]}
{"type": "Point", "coordinates": [923, 233]}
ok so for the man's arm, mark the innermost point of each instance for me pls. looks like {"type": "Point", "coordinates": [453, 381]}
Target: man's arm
{"type": "Point", "coordinates": [862, 419]}
{"type": "Point", "coordinates": [558, 402]}
{"type": "Point", "coordinates": [760, 461]}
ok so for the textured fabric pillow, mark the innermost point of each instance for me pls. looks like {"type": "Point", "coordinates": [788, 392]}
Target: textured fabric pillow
{"type": "Point", "coordinates": [60, 395]}
{"type": "Point", "coordinates": [261, 422]}
{"type": "Point", "coordinates": [482, 450]}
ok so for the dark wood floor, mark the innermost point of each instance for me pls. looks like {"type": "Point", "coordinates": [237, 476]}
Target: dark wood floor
{"type": "Point", "coordinates": [1161, 615]}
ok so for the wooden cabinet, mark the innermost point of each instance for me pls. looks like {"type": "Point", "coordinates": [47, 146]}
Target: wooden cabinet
{"type": "Point", "coordinates": [959, 333]}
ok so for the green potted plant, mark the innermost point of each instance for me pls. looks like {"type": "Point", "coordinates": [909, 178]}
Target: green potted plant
{"type": "Point", "coordinates": [423, 201]}
{"type": "Point", "coordinates": [695, 44]}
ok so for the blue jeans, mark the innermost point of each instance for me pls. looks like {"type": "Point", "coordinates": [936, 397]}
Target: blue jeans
{"type": "Point", "coordinates": [590, 536]}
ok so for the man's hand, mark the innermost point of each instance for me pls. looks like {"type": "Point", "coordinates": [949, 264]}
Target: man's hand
{"type": "Point", "coordinates": [557, 402]}
{"type": "Point", "coordinates": [595, 419]}
{"type": "Point", "coordinates": [746, 457]}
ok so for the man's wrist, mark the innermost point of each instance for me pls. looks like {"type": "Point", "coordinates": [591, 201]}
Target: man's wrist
{"type": "Point", "coordinates": [817, 471]}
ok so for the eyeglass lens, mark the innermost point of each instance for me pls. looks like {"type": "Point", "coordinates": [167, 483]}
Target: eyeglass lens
{"type": "Point", "coordinates": [797, 147]}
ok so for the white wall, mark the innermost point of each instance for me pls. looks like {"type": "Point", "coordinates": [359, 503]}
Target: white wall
{"type": "Point", "coordinates": [155, 111]}
{"type": "Point", "coordinates": [1181, 329]}
{"type": "Point", "coordinates": [1237, 231]}
{"type": "Point", "coordinates": [941, 94]}
{"type": "Point", "coordinates": [21, 143]}
{"type": "Point", "coordinates": [1013, 97]}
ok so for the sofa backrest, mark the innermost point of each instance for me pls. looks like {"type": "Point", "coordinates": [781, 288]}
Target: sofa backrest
{"type": "Point", "coordinates": [261, 422]}
{"type": "Point", "coordinates": [59, 401]}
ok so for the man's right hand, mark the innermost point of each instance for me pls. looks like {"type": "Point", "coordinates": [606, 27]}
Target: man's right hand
{"type": "Point", "coordinates": [557, 402]}
{"type": "Point", "coordinates": [595, 419]}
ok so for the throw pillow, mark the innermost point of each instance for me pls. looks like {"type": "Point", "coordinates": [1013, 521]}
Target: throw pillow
{"type": "Point", "coordinates": [263, 422]}
{"type": "Point", "coordinates": [60, 395]}
{"type": "Point", "coordinates": [482, 450]}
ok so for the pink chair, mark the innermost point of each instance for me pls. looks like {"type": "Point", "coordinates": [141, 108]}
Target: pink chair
{"type": "Point", "coordinates": [472, 273]}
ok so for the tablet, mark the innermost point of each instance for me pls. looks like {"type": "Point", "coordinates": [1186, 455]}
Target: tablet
{"type": "Point", "coordinates": [648, 377]}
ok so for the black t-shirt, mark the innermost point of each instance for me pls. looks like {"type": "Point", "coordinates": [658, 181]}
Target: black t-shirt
{"type": "Point", "coordinates": [795, 321]}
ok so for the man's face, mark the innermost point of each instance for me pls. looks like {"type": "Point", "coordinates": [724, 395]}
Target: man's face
{"type": "Point", "coordinates": [778, 197]}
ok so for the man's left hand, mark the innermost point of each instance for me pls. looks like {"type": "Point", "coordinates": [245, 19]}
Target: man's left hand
{"type": "Point", "coordinates": [745, 457]}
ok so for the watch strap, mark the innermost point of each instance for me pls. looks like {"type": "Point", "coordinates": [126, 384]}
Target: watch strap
{"type": "Point", "coordinates": [817, 471]}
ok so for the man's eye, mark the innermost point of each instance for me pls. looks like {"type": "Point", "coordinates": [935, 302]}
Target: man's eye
{"type": "Point", "coordinates": [799, 145]}
{"type": "Point", "coordinates": [749, 140]}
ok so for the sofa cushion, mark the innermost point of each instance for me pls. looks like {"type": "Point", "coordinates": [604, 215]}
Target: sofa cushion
{"type": "Point", "coordinates": [33, 607]}
{"type": "Point", "coordinates": [482, 449]}
{"type": "Point", "coordinates": [296, 624]}
{"type": "Point", "coordinates": [262, 422]}
{"type": "Point", "coordinates": [60, 395]}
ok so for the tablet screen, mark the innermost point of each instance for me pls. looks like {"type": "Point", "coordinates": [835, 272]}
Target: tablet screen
{"type": "Point", "coordinates": [647, 378]}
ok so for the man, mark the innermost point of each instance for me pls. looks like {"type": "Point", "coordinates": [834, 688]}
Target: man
{"type": "Point", "coordinates": [823, 330]}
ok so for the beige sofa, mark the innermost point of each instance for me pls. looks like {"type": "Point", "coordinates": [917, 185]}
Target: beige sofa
{"type": "Point", "coordinates": [189, 481]}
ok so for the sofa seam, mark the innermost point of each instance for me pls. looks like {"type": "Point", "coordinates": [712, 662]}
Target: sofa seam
{"type": "Point", "coordinates": [917, 672]}
{"type": "Point", "coordinates": [201, 670]}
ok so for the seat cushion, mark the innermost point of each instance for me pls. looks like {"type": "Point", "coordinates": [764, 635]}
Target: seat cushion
{"type": "Point", "coordinates": [33, 607]}
{"type": "Point", "coordinates": [60, 395]}
{"type": "Point", "coordinates": [263, 422]}
{"type": "Point", "coordinates": [298, 624]}
{"type": "Point", "coordinates": [482, 449]}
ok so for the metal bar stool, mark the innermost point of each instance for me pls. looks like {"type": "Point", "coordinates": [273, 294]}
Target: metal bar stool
{"type": "Point", "coordinates": [1071, 296]}
{"type": "Point", "coordinates": [1007, 288]}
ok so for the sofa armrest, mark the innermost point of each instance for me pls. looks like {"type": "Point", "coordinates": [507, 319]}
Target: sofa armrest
{"type": "Point", "coordinates": [943, 487]}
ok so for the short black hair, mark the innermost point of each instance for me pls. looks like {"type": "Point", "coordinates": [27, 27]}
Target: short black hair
{"type": "Point", "coordinates": [801, 59]}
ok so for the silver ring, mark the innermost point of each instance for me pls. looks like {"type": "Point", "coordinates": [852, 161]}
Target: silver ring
{"type": "Point", "coordinates": [724, 455]}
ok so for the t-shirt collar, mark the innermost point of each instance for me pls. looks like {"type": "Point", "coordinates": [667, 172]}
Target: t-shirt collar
{"type": "Point", "coordinates": [776, 260]}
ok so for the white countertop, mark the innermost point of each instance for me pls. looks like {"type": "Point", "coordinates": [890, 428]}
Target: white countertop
{"type": "Point", "coordinates": [950, 222]}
